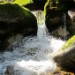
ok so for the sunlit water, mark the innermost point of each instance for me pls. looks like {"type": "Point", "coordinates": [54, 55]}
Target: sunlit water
{"type": "Point", "coordinates": [31, 55]}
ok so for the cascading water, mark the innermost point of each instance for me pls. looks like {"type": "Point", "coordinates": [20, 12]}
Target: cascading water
{"type": "Point", "coordinates": [64, 26]}
{"type": "Point", "coordinates": [31, 55]}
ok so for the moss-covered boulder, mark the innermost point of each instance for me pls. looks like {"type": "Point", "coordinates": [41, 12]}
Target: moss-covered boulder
{"type": "Point", "coordinates": [65, 57]}
{"type": "Point", "coordinates": [14, 20]}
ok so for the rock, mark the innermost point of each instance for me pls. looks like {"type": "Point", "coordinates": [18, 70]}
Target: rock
{"type": "Point", "coordinates": [71, 21]}
{"type": "Point", "coordinates": [56, 23]}
{"type": "Point", "coordinates": [65, 57]}
{"type": "Point", "coordinates": [9, 70]}
{"type": "Point", "coordinates": [15, 20]}
{"type": "Point", "coordinates": [66, 60]}
{"type": "Point", "coordinates": [60, 32]}
{"type": "Point", "coordinates": [54, 19]}
{"type": "Point", "coordinates": [71, 14]}
{"type": "Point", "coordinates": [66, 3]}
{"type": "Point", "coordinates": [40, 3]}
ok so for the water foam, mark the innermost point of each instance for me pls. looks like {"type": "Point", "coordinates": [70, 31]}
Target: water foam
{"type": "Point", "coordinates": [31, 55]}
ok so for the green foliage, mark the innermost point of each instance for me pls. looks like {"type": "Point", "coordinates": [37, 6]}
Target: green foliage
{"type": "Point", "coordinates": [67, 46]}
{"type": "Point", "coordinates": [23, 2]}
{"type": "Point", "coordinates": [69, 43]}
{"type": "Point", "coordinates": [52, 3]}
{"type": "Point", "coordinates": [19, 2]}
{"type": "Point", "coordinates": [45, 6]}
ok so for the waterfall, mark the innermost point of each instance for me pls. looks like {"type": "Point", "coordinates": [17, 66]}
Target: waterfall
{"type": "Point", "coordinates": [31, 55]}
{"type": "Point", "coordinates": [64, 26]}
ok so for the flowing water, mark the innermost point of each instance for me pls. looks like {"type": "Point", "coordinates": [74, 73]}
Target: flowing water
{"type": "Point", "coordinates": [64, 26]}
{"type": "Point", "coordinates": [31, 55]}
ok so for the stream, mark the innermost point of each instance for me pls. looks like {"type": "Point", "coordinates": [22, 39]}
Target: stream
{"type": "Point", "coordinates": [31, 55]}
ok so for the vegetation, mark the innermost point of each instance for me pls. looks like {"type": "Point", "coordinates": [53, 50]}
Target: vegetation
{"type": "Point", "coordinates": [52, 3]}
{"type": "Point", "coordinates": [23, 2]}
{"type": "Point", "coordinates": [45, 6]}
{"type": "Point", "coordinates": [69, 43]}
{"type": "Point", "coordinates": [9, 8]}
{"type": "Point", "coordinates": [19, 2]}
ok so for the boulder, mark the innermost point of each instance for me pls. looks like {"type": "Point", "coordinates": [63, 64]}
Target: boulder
{"type": "Point", "coordinates": [56, 23]}
{"type": "Point", "coordinates": [15, 20]}
{"type": "Point", "coordinates": [71, 21]}
{"type": "Point", "coordinates": [9, 70]}
{"type": "Point", "coordinates": [66, 60]}
{"type": "Point", "coordinates": [54, 18]}
{"type": "Point", "coordinates": [65, 57]}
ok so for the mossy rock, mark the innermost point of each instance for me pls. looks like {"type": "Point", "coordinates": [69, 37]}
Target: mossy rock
{"type": "Point", "coordinates": [65, 57]}
{"type": "Point", "coordinates": [14, 20]}
{"type": "Point", "coordinates": [23, 2]}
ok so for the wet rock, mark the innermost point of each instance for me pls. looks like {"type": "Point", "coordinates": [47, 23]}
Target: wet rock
{"type": "Point", "coordinates": [54, 19]}
{"type": "Point", "coordinates": [56, 23]}
{"type": "Point", "coordinates": [71, 21]}
{"type": "Point", "coordinates": [61, 32]}
{"type": "Point", "coordinates": [9, 70]}
{"type": "Point", "coordinates": [65, 59]}
{"type": "Point", "coordinates": [15, 20]}
{"type": "Point", "coordinates": [71, 14]}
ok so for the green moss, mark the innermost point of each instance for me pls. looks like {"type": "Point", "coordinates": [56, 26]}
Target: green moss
{"type": "Point", "coordinates": [69, 43]}
{"type": "Point", "coordinates": [23, 2]}
{"type": "Point", "coordinates": [14, 11]}
{"type": "Point", "coordinates": [19, 2]}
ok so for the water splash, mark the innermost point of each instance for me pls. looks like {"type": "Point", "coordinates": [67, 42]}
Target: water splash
{"type": "Point", "coordinates": [32, 55]}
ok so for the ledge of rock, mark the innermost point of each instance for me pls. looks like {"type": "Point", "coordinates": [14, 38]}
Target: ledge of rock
{"type": "Point", "coordinates": [14, 20]}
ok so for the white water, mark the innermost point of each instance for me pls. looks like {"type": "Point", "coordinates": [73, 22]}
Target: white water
{"type": "Point", "coordinates": [32, 55]}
